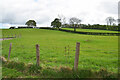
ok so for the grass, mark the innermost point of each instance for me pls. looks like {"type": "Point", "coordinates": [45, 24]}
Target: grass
{"type": "Point", "coordinates": [11, 73]}
{"type": "Point", "coordinates": [33, 71]}
{"type": "Point", "coordinates": [96, 52]}
{"type": "Point", "coordinates": [91, 30]}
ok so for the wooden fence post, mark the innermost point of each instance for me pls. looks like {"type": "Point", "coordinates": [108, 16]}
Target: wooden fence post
{"type": "Point", "coordinates": [15, 35]}
{"type": "Point", "coordinates": [37, 55]}
{"type": "Point", "coordinates": [65, 51]}
{"type": "Point", "coordinates": [9, 51]}
{"type": "Point", "coordinates": [68, 55]}
{"type": "Point", "coordinates": [3, 36]}
{"type": "Point", "coordinates": [77, 56]}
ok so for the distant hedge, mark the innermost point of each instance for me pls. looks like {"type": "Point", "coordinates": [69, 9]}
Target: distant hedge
{"type": "Point", "coordinates": [48, 28]}
{"type": "Point", "coordinates": [12, 28]}
{"type": "Point", "coordinates": [80, 32]}
{"type": "Point", "coordinates": [24, 27]}
{"type": "Point", "coordinates": [91, 33]}
{"type": "Point", "coordinates": [96, 26]}
{"type": "Point", "coordinates": [102, 27]}
{"type": "Point", "coordinates": [45, 28]}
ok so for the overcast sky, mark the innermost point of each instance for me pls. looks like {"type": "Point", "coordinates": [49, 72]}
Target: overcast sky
{"type": "Point", "coordinates": [17, 12]}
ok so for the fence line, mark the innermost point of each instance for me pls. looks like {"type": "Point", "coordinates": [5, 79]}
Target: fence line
{"type": "Point", "coordinates": [11, 36]}
{"type": "Point", "coordinates": [66, 53]}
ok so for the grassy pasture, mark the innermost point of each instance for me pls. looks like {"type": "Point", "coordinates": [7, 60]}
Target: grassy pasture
{"type": "Point", "coordinates": [91, 30]}
{"type": "Point", "coordinates": [96, 52]}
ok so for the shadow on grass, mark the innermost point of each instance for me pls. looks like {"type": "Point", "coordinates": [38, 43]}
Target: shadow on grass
{"type": "Point", "coordinates": [31, 70]}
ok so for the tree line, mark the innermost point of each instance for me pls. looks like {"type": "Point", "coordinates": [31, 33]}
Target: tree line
{"type": "Point", "coordinates": [76, 23]}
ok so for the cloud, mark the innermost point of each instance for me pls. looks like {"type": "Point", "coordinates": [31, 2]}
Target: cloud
{"type": "Point", "coordinates": [110, 7]}
{"type": "Point", "coordinates": [119, 12]}
{"type": "Point", "coordinates": [21, 11]}
{"type": "Point", "coordinates": [44, 11]}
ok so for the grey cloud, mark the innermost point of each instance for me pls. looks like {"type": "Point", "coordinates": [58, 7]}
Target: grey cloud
{"type": "Point", "coordinates": [8, 18]}
{"type": "Point", "coordinates": [119, 12]}
{"type": "Point", "coordinates": [110, 7]}
{"type": "Point", "coordinates": [19, 13]}
{"type": "Point", "coordinates": [44, 11]}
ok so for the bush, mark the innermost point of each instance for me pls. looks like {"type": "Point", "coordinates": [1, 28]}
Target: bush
{"type": "Point", "coordinates": [12, 28]}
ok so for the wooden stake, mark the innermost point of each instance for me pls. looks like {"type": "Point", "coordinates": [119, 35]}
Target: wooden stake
{"type": "Point", "coordinates": [65, 51]}
{"type": "Point", "coordinates": [37, 55]}
{"type": "Point", "coordinates": [68, 55]}
{"type": "Point", "coordinates": [9, 51]}
{"type": "Point", "coordinates": [77, 56]}
{"type": "Point", "coordinates": [15, 35]}
{"type": "Point", "coordinates": [3, 36]}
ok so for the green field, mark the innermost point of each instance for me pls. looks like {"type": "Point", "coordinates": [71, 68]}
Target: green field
{"type": "Point", "coordinates": [91, 30]}
{"type": "Point", "coordinates": [97, 53]}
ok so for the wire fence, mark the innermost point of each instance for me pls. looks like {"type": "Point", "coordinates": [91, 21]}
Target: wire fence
{"type": "Point", "coordinates": [43, 54]}
{"type": "Point", "coordinates": [53, 55]}
{"type": "Point", "coordinates": [11, 36]}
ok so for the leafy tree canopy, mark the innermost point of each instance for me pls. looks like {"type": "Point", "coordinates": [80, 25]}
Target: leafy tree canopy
{"type": "Point", "coordinates": [56, 23]}
{"type": "Point", "coordinates": [30, 23]}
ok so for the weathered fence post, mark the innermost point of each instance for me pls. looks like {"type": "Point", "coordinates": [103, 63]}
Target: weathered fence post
{"type": "Point", "coordinates": [9, 51]}
{"type": "Point", "coordinates": [65, 51]}
{"type": "Point", "coordinates": [77, 56]}
{"type": "Point", "coordinates": [3, 36]}
{"type": "Point", "coordinates": [15, 35]}
{"type": "Point", "coordinates": [68, 55]}
{"type": "Point", "coordinates": [37, 55]}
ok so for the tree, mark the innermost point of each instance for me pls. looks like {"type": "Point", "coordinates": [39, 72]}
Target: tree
{"type": "Point", "coordinates": [110, 20]}
{"type": "Point", "coordinates": [56, 23]}
{"type": "Point", "coordinates": [118, 20]}
{"type": "Point", "coordinates": [74, 21]}
{"type": "Point", "coordinates": [30, 23]}
{"type": "Point", "coordinates": [62, 19]}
